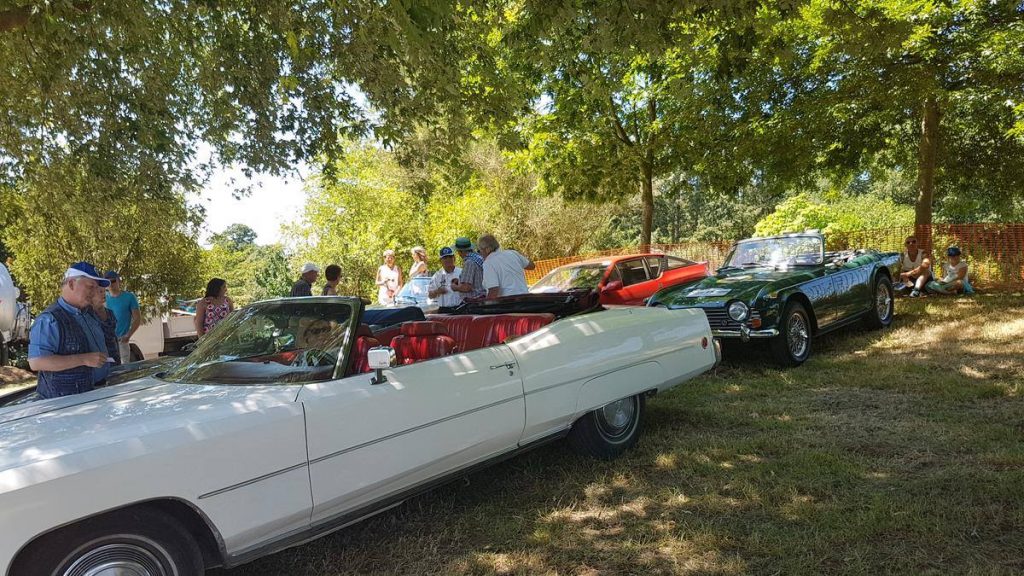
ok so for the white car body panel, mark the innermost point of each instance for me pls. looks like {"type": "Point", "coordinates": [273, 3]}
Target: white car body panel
{"type": "Point", "coordinates": [266, 464]}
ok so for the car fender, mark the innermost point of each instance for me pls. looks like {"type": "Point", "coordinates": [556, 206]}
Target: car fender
{"type": "Point", "coordinates": [618, 384]}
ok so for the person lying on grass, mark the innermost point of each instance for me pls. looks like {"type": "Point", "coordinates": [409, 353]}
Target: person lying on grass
{"type": "Point", "coordinates": [955, 279]}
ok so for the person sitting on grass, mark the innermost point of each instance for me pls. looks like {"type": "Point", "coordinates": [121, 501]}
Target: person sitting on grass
{"type": "Point", "coordinates": [955, 279]}
{"type": "Point", "coordinates": [915, 268]}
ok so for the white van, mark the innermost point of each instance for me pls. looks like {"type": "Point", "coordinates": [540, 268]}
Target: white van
{"type": "Point", "coordinates": [15, 319]}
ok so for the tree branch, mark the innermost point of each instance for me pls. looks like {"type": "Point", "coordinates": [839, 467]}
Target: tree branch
{"type": "Point", "coordinates": [620, 132]}
{"type": "Point", "coordinates": [14, 18]}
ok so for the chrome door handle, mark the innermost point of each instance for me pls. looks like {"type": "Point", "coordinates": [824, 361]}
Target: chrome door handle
{"type": "Point", "coordinates": [508, 365]}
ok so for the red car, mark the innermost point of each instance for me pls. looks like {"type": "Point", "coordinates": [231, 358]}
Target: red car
{"type": "Point", "coordinates": [626, 279]}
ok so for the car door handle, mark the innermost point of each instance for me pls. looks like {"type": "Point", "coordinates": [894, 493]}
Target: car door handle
{"type": "Point", "coordinates": [508, 365]}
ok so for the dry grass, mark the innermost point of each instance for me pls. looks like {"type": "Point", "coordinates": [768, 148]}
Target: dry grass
{"type": "Point", "coordinates": [893, 452]}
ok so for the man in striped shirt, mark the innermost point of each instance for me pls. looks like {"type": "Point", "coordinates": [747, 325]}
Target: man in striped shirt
{"type": "Point", "coordinates": [471, 281]}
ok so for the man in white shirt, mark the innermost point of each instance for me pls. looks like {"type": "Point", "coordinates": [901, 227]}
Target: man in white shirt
{"type": "Point", "coordinates": [915, 268]}
{"type": "Point", "coordinates": [440, 286]}
{"type": "Point", "coordinates": [503, 269]}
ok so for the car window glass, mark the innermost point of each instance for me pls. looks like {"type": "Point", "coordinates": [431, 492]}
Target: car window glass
{"type": "Point", "coordinates": [614, 276]}
{"type": "Point", "coordinates": [565, 278]}
{"type": "Point", "coordinates": [632, 271]}
{"type": "Point", "coordinates": [269, 343]}
{"type": "Point", "coordinates": [673, 263]}
{"type": "Point", "coordinates": [654, 264]}
{"type": "Point", "coordinates": [414, 291]}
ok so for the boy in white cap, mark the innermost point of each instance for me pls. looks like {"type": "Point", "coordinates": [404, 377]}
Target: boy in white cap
{"type": "Point", "coordinates": [304, 287]}
{"type": "Point", "coordinates": [67, 345]}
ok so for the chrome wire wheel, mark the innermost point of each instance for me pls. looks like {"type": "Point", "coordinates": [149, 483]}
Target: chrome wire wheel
{"type": "Point", "coordinates": [615, 419]}
{"type": "Point", "coordinates": [883, 302]}
{"type": "Point", "coordinates": [124, 558]}
{"type": "Point", "coordinates": [797, 335]}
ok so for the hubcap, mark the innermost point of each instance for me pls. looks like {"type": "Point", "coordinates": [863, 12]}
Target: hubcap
{"type": "Point", "coordinates": [798, 335]}
{"type": "Point", "coordinates": [883, 302]}
{"type": "Point", "coordinates": [614, 419]}
{"type": "Point", "coordinates": [117, 560]}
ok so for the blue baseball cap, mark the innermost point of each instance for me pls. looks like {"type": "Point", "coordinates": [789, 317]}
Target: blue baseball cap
{"type": "Point", "coordinates": [953, 251]}
{"type": "Point", "coordinates": [447, 251]}
{"type": "Point", "coordinates": [112, 275]}
{"type": "Point", "coordinates": [85, 270]}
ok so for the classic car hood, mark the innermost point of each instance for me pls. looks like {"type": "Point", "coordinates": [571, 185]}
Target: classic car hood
{"type": "Point", "coordinates": [742, 285]}
{"type": "Point", "coordinates": [50, 428]}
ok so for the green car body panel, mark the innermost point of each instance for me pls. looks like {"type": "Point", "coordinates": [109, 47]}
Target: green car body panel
{"type": "Point", "coordinates": [835, 293]}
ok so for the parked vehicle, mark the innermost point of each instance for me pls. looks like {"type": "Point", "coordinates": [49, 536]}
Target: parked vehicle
{"type": "Point", "coordinates": [289, 421]}
{"type": "Point", "coordinates": [414, 293]}
{"type": "Point", "coordinates": [788, 290]}
{"type": "Point", "coordinates": [627, 280]}
{"type": "Point", "coordinates": [164, 334]}
{"type": "Point", "coordinates": [15, 317]}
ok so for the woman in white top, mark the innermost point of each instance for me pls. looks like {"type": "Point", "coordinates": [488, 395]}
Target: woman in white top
{"type": "Point", "coordinates": [419, 262]}
{"type": "Point", "coordinates": [954, 275]}
{"type": "Point", "coordinates": [389, 279]}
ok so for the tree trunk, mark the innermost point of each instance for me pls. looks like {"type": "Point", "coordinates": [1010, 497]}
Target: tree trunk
{"type": "Point", "coordinates": [647, 198]}
{"type": "Point", "coordinates": [928, 149]}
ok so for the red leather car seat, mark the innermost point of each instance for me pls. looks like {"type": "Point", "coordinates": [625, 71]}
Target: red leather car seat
{"type": "Point", "coordinates": [422, 341]}
{"type": "Point", "coordinates": [501, 327]}
{"type": "Point", "coordinates": [386, 334]}
{"type": "Point", "coordinates": [472, 332]}
{"type": "Point", "coordinates": [364, 341]}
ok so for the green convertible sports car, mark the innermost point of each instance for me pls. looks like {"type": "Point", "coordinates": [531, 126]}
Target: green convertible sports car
{"type": "Point", "coordinates": [789, 290]}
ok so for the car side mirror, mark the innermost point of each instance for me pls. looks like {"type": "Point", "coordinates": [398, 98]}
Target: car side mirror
{"type": "Point", "coordinates": [612, 286]}
{"type": "Point", "coordinates": [378, 359]}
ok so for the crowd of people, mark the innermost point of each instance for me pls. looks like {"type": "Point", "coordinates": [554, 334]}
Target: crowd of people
{"type": "Point", "coordinates": [487, 271]}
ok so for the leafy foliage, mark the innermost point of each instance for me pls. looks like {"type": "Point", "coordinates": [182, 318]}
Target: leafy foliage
{"type": "Point", "coordinates": [253, 272]}
{"type": "Point", "coordinates": [66, 214]}
{"type": "Point", "coordinates": [836, 216]}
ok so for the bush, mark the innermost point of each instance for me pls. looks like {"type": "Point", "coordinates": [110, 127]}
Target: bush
{"type": "Point", "coordinates": [837, 218]}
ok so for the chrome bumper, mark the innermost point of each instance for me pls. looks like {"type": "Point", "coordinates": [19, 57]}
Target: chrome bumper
{"type": "Point", "coordinates": [718, 351]}
{"type": "Point", "coordinates": [745, 333]}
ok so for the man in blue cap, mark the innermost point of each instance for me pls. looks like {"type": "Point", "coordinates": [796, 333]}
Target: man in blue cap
{"type": "Point", "coordinates": [66, 345]}
{"type": "Point", "coordinates": [125, 307]}
{"type": "Point", "coordinates": [440, 287]}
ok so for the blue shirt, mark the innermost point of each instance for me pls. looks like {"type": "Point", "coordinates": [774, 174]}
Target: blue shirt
{"type": "Point", "coordinates": [122, 306]}
{"type": "Point", "coordinates": [44, 340]}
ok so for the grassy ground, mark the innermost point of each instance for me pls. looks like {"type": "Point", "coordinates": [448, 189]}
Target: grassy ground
{"type": "Point", "coordinates": [892, 452]}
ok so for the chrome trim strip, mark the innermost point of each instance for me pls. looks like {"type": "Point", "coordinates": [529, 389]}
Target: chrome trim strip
{"type": "Point", "coordinates": [413, 429]}
{"type": "Point", "coordinates": [744, 334]}
{"type": "Point", "coordinates": [252, 481]}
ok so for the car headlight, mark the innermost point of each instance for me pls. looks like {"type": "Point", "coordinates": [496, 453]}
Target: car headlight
{"type": "Point", "coordinates": [738, 311]}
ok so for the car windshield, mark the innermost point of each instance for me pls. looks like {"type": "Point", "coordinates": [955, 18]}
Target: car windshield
{"type": "Point", "coordinates": [781, 251]}
{"type": "Point", "coordinates": [414, 291]}
{"type": "Point", "coordinates": [284, 341]}
{"type": "Point", "coordinates": [565, 278]}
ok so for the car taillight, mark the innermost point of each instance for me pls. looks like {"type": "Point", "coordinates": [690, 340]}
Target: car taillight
{"type": "Point", "coordinates": [704, 342]}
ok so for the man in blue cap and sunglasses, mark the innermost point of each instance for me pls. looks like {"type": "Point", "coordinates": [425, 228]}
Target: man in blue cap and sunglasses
{"type": "Point", "coordinates": [66, 345]}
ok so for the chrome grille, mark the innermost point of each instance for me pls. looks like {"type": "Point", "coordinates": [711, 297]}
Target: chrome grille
{"type": "Point", "coordinates": [719, 319]}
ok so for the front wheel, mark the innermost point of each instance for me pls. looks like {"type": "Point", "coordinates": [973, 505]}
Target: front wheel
{"type": "Point", "coordinates": [610, 430]}
{"type": "Point", "coordinates": [132, 542]}
{"type": "Point", "coordinates": [793, 344]}
{"type": "Point", "coordinates": [881, 311]}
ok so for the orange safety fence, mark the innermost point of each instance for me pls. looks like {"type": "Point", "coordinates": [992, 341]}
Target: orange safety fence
{"type": "Point", "coordinates": [993, 251]}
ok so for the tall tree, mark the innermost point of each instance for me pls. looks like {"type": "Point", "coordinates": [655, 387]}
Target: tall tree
{"type": "Point", "coordinates": [626, 93]}
{"type": "Point", "coordinates": [854, 80]}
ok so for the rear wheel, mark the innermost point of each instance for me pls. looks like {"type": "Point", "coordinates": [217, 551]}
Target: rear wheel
{"type": "Point", "coordinates": [610, 430]}
{"type": "Point", "coordinates": [129, 543]}
{"type": "Point", "coordinates": [793, 344]}
{"type": "Point", "coordinates": [136, 354]}
{"type": "Point", "coordinates": [881, 311]}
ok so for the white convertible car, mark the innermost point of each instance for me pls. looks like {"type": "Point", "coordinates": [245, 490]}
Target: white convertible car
{"type": "Point", "coordinates": [284, 424]}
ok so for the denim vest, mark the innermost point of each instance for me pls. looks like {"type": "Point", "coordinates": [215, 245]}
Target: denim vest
{"type": "Point", "coordinates": [73, 340]}
{"type": "Point", "coordinates": [110, 335]}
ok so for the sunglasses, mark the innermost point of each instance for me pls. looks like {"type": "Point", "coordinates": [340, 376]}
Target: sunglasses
{"type": "Point", "coordinates": [318, 331]}
{"type": "Point", "coordinates": [911, 242]}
